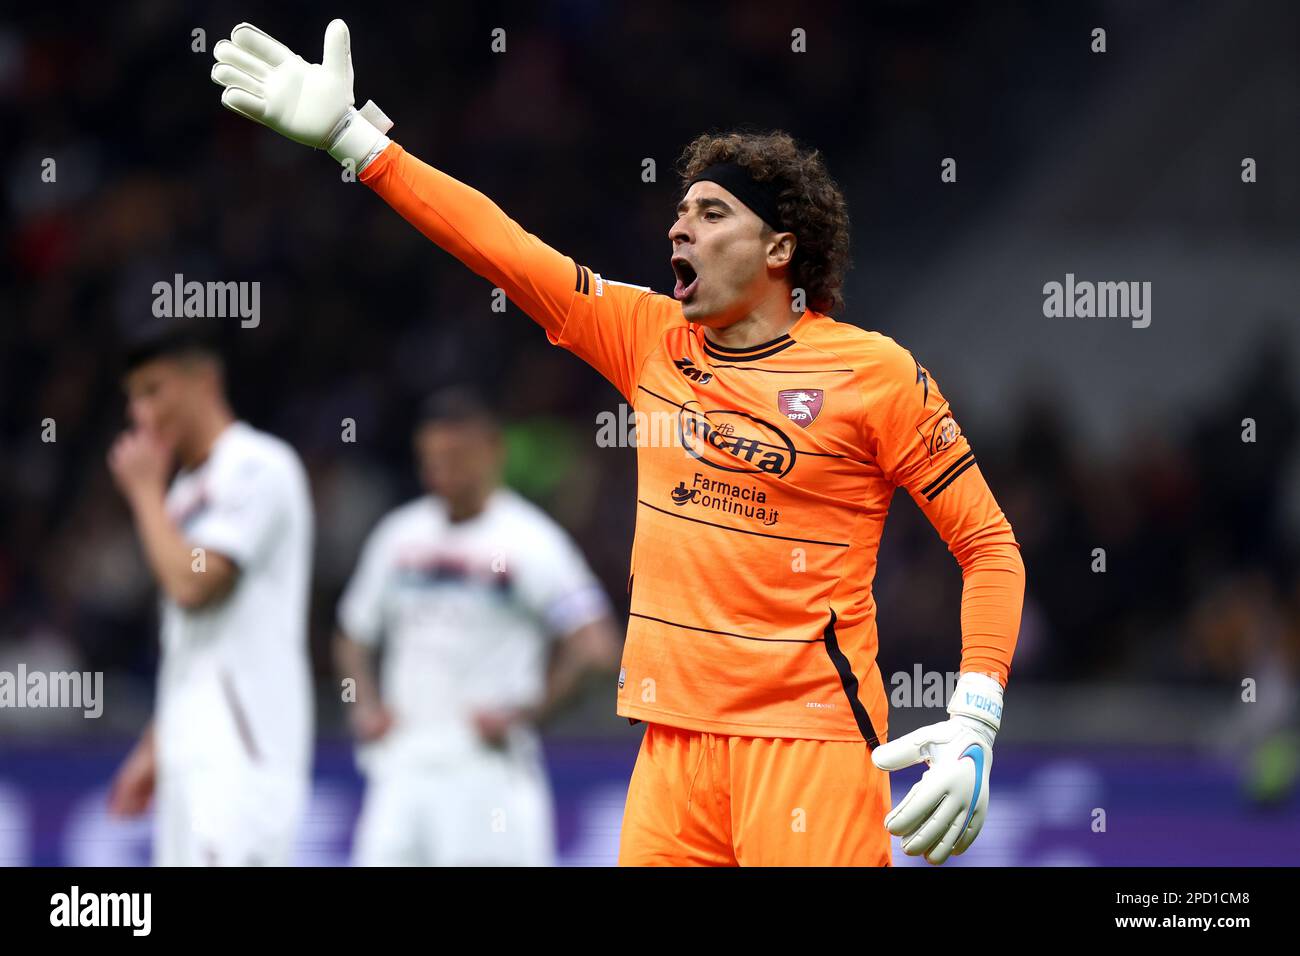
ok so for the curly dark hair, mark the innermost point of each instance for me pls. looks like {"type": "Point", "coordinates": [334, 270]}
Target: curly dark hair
{"type": "Point", "coordinates": [809, 202]}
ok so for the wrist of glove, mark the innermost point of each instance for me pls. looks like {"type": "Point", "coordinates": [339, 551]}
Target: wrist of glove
{"type": "Point", "coordinates": [945, 811]}
{"type": "Point", "coordinates": [359, 136]}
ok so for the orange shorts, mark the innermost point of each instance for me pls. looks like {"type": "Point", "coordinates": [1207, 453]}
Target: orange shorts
{"type": "Point", "coordinates": [701, 799]}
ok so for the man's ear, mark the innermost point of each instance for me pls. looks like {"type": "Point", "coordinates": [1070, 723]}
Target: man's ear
{"type": "Point", "coordinates": [780, 249]}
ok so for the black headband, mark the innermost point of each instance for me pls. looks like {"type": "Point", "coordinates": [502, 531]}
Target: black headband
{"type": "Point", "coordinates": [760, 197]}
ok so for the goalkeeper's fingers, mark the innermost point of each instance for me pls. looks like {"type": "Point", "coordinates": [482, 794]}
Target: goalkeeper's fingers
{"type": "Point", "coordinates": [337, 55]}
{"type": "Point", "coordinates": [917, 806]}
{"type": "Point", "coordinates": [950, 829]}
{"type": "Point", "coordinates": [223, 74]}
{"type": "Point", "coordinates": [943, 848]}
{"type": "Point", "coordinates": [240, 59]}
{"type": "Point", "coordinates": [266, 48]}
{"type": "Point", "coordinates": [244, 103]}
{"type": "Point", "coordinates": [932, 827]}
{"type": "Point", "coordinates": [969, 834]}
{"type": "Point", "coordinates": [241, 73]}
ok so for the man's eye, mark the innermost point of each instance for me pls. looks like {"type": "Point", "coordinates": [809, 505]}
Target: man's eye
{"type": "Point", "coordinates": [712, 215]}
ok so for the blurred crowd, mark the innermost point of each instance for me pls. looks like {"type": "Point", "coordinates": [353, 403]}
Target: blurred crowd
{"type": "Point", "coordinates": [360, 316]}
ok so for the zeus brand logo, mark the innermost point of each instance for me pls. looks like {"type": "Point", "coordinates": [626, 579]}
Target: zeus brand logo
{"type": "Point", "coordinates": [688, 368]}
{"type": "Point", "coordinates": [749, 444]}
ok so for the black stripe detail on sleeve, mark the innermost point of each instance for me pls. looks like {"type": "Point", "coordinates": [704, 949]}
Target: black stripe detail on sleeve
{"type": "Point", "coordinates": [586, 280]}
{"type": "Point", "coordinates": [849, 681]}
{"type": "Point", "coordinates": [969, 461]}
{"type": "Point", "coordinates": [577, 277]}
{"type": "Point", "coordinates": [965, 460]}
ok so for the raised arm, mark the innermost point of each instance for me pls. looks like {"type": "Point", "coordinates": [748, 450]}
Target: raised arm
{"type": "Point", "coordinates": [312, 103]}
{"type": "Point", "coordinates": [470, 226]}
{"type": "Point", "coordinates": [610, 325]}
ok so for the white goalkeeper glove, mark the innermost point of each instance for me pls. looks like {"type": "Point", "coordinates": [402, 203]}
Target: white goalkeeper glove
{"type": "Point", "coordinates": [311, 103]}
{"type": "Point", "coordinates": [943, 813]}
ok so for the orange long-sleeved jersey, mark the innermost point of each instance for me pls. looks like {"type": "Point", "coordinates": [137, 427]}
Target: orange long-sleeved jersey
{"type": "Point", "coordinates": [764, 478]}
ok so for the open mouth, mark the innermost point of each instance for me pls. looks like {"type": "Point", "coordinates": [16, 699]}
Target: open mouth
{"type": "Point", "coordinates": [687, 279]}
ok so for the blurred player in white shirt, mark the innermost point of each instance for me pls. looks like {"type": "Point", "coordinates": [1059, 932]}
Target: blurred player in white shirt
{"type": "Point", "coordinates": [489, 618]}
{"type": "Point", "coordinates": [228, 754]}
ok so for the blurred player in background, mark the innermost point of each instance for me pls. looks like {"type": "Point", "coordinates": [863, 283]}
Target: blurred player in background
{"type": "Point", "coordinates": [228, 753]}
{"type": "Point", "coordinates": [489, 617]}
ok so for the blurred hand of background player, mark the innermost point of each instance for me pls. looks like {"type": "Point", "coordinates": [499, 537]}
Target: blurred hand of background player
{"type": "Point", "coordinates": [133, 786]}
{"type": "Point", "coordinates": [494, 725]}
{"type": "Point", "coordinates": [141, 463]}
{"type": "Point", "coordinates": [369, 723]}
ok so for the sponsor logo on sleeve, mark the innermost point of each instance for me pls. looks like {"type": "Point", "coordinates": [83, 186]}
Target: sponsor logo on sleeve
{"type": "Point", "coordinates": [939, 431]}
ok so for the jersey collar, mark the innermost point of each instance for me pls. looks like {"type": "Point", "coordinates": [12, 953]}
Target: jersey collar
{"type": "Point", "coordinates": [754, 353]}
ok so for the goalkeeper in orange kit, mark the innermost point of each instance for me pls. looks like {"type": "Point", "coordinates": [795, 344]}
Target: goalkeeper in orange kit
{"type": "Point", "coordinates": [751, 644]}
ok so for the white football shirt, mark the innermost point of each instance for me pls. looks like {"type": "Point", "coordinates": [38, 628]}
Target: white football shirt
{"type": "Point", "coordinates": [466, 611]}
{"type": "Point", "coordinates": [235, 678]}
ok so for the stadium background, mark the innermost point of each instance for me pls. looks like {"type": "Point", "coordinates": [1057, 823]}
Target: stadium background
{"type": "Point", "coordinates": [1126, 691]}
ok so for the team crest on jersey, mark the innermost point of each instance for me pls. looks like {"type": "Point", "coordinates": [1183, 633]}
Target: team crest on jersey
{"type": "Point", "coordinates": [800, 405]}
